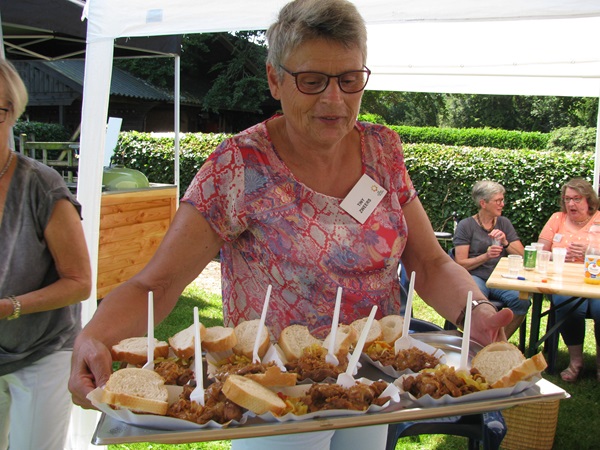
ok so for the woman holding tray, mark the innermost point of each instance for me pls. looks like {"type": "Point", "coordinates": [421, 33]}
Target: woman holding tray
{"type": "Point", "coordinates": [306, 201]}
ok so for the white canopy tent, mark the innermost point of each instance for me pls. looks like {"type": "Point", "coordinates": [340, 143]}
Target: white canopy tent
{"type": "Point", "coordinates": [534, 47]}
{"type": "Point", "coordinates": [520, 47]}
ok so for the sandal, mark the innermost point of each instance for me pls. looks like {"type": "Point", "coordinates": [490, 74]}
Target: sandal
{"type": "Point", "coordinates": [570, 374]}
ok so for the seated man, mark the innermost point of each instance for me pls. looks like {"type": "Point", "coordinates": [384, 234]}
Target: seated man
{"type": "Point", "coordinates": [482, 239]}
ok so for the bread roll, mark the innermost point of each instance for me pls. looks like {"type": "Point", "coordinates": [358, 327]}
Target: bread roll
{"type": "Point", "coordinates": [345, 338]}
{"type": "Point", "coordinates": [140, 390]}
{"type": "Point", "coordinates": [503, 365]}
{"type": "Point", "coordinates": [245, 333]}
{"type": "Point", "coordinates": [182, 343]}
{"type": "Point", "coordinates": [219, 339]}
{"type": "Point", "coordinates": [135, 350]}
{"type": "Point", "coordinates": [294, 339]}
{"type": "Point", "coordinates": [251, 395]}
{"type": "Point", "coordinates": [391, 327]}
{"type": "Point", "coordinates": [375, 332]}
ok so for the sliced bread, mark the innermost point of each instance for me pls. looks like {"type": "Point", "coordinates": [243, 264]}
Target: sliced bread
{"type": "Point", "coordinates": [140, 390]}
{"type": "Point", "coordinates": [273, 376]}
{"type": "Point", "coordinates": [294, 339]}
{"type": "Point", "coordinates": [182, 342]}
{"type": "Point", "coordinates": [251, 395]}
{"type": "Point", "coordinates": [135, 350]}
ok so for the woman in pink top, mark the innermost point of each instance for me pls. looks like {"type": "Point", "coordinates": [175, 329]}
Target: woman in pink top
{"type": "Point", "coordinates": [306, 201]}
{"type": "Point", "coordinates": [569, 229]}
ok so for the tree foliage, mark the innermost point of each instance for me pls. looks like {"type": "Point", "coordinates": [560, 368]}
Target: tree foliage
{"type": "Point", "coordinates": [509, 112]}
{"type": "Point", "coordinates": [225, 70]}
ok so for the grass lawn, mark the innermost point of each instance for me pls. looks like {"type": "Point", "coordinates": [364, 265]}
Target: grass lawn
{"type": "Point", "coordinates": [578, 416]}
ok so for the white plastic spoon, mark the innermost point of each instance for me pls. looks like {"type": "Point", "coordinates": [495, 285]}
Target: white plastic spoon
{"type": "Point", "coordinates": [263, 317]}
{"type": "Point", "coordinates": [464, 350]}
{"type": "Point", "coordinates": [150, 358]}
{"type": "Point", "coordinates": [197, 394]}
{"type": "Point", "coordinates": [405, 339]}
{"type": "Point", "coordinates": [346, 379]}
{"type": "Point", "coordinates": [331, 358]}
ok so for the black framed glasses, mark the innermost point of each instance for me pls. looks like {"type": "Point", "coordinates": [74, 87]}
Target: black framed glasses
{"type": "Point", "coordinates": [312, 83]}
{"type": "Point", "coordinates": [3, 113]}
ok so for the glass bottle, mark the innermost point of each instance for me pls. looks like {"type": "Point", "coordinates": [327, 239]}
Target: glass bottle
{"type": "Point", "coordinates": [592, 256]}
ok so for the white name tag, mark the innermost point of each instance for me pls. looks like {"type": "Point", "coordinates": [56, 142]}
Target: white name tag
{"type": "Point", "coordinates": [364, 197]}
{"type": "Point", "coordinates": [557, 237]}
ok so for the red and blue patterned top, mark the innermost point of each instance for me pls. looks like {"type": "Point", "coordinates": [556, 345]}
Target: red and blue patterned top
{"type": "Point", "coordinates": [278, 231]}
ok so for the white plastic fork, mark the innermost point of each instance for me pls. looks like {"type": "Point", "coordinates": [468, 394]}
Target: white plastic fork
{"type": "Point", "coordinates": [405, 339]}
{"type": "Point", "coordinates": [464, 349]}
{"type": "Point", "coordinates": [197, 394]}
{"type": "Point", "coordinates": [263, 317]}
{"type": "Point", "coordinates": [330, 358]}
{"type": "Point", "coordinates": [150, 350]}
{"type": "Point", "coordinates": [346, 379]}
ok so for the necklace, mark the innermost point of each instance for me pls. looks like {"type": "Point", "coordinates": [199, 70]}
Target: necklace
{"type": "Point", "coordinates": [7, 165]}
{"type": "Point", "coordinates": [579, 224]}
{"type": "Point", "coordinates": [478, 219]}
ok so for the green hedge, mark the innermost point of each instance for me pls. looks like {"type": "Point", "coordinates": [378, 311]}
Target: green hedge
{"type": "Point", "coordinates": [443, 175]}
{"type": "Point", "coordinates": [154, 155]}
{"type": "Point", "coordinates": [42, 132]}
{"type": "Point", "coordinates": [473, 137]}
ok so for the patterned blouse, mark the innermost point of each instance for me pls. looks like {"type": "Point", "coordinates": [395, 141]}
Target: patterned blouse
{"type": "Point", "coordinates": [279, 232]}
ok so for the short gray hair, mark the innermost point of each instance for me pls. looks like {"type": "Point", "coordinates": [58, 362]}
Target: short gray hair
{"type": "Point", "coordinates": [485, 190]}
{"type": "Point", "coordinates": [14, 88]}
{"type": "Point", "coordinates": [303, 20]}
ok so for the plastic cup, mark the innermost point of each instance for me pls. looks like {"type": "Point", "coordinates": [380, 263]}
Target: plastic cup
{"type": "Point", "coordinates": [515, 263]}
{"type": "Point", "coordinates": [496, 241]}
{"type": "Point", "coordinates": [558, 259]}
{"type": "Point", "coordinates": [543, 259]}
{"type": "Point", "coordinates": [538, 248]}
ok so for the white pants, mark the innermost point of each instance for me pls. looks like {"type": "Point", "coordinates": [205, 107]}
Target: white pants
{"type": "Point", "coordinates": [35, 405]}
{"type": "Point", "coordinates": [362, 438]}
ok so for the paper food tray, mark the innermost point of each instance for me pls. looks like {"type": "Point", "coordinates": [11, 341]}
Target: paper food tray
{"type": "Point", "coordinates": [299, 390]}
{"type": "Point", "coordinates": [427, 401]}
{"type": "Point", "coordinates": [402, 344]}
{"type": "Point", "coordinates": [154, 421]}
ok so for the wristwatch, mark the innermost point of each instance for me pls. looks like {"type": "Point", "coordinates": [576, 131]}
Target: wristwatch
{"type": "Point", "coordinates": [460, 321]}
{"type": "Point", "coordinates": [506, 246]}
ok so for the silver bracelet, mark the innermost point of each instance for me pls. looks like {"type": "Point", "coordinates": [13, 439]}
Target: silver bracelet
{"type": "Point", "coordinates": [460, 321]}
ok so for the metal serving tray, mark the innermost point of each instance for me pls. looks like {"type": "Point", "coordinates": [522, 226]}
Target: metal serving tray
{"type": "Point", "coordinates": [112, 431]}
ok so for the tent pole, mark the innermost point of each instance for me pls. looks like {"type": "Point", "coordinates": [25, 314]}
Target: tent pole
{"type": "Point", "coordinates": [11, 136]}
{"type": "Point", "coordinates": [176, 126]}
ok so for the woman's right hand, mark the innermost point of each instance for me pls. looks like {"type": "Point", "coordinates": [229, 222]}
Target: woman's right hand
{"type": "Point", "coordinates": [576, 251]}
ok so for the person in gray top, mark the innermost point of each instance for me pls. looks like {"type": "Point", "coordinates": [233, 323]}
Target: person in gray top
{"type": "Point", "coordinates": [45, 273]}
{"type": "Point", "coordinates": [482, 239]}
